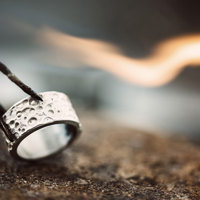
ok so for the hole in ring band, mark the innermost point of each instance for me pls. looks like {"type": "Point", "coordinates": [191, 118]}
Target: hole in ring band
{"type": "Point", "coordinates": [45, 141]}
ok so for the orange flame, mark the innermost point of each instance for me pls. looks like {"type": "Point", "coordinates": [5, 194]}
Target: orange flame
{"type": "Point", "coordinates": [163, 65]}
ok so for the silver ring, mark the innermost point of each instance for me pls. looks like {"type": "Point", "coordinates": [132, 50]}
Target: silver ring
{"type": "Point", "coordinates": [37, 129]}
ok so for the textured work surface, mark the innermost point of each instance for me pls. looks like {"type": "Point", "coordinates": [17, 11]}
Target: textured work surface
{"type": "Point", "coordinates": [107, 162]}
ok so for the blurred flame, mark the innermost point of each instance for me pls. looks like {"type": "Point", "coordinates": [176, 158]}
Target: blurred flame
{"type": "Point", "coordinates": [163, 65]}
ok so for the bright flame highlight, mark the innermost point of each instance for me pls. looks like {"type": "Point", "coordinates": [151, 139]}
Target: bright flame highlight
{"type": "Point", "coordinates": [163, 65]}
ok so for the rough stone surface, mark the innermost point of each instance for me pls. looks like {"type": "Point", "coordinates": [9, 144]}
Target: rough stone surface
{"type": "Point", "coordinates": [107, 162]}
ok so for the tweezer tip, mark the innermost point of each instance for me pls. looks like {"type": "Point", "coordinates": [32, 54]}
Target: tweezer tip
{"type": "Point", "coordinates": [39, 98]}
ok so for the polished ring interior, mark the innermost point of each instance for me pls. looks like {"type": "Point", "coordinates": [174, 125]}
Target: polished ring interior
{"type": "Point", "coordinates": [37, 129]}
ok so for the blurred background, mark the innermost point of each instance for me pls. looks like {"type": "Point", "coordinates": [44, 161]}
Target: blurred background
{"type": "Point", "coordinates": [133, 61]}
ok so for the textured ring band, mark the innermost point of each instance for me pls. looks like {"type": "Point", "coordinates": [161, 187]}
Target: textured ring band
{"type": "Point", "coordinates": [37, 129]}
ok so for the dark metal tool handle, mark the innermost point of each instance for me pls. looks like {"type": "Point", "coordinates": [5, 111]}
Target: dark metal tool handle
{"type": "Point", "coordinates": [6, 71]}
